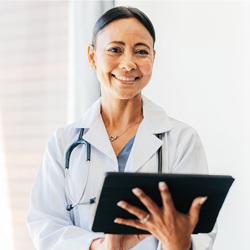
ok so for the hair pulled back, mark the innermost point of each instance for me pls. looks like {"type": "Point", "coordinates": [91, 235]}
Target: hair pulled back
{"type": "Point", "coordinates": [122, 12]}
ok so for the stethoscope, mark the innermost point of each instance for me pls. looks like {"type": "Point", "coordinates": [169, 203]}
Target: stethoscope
{"type": "Point", "coordinates": [79, 141]}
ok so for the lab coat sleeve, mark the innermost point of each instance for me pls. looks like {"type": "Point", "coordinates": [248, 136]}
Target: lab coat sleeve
{"type": "Point", "coordinates": [189, 157]}
{"type": "Point", "coordinates": [49, 224]}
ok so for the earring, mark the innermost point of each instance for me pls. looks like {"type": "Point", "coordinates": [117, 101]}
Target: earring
{"type": "Point", "coordinates": [93, 67]}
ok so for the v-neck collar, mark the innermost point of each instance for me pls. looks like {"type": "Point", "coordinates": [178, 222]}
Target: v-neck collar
{"type": "Point", "coordinates": [146, 143]}
{"type": "Point", "coordinates": [128, 143]}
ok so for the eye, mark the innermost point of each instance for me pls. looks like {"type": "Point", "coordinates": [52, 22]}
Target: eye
{"type": "Point", "coordinates": [115, 50]}
{"type": "Point", "coordinates": [142, 52]}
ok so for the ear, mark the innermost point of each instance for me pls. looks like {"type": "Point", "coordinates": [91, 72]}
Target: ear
{"type": "Point", "coordinates": [91, 56]}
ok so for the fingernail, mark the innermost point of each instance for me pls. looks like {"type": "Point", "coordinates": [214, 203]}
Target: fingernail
{"type": "Point", "coordinates": [116, 221]}
{"type": "Point", "coordinates": [202, 200]}
{"type": "Point", "coordinates": [162, 183]}
{"type": "Point", "coordinates": [135, 190]}
{"type": "Point", "coordinates": [120, 204]}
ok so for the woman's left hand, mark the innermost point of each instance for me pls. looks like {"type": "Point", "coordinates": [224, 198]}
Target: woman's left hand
{"type": "Point", "coordinates": [169, 226]}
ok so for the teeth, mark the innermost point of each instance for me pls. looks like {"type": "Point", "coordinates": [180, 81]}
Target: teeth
{"type": "Point", "coordinates": [124, 79]}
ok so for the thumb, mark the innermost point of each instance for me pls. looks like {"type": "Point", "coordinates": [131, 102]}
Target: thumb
{"type": "Point", "coordinates": [194, 210]}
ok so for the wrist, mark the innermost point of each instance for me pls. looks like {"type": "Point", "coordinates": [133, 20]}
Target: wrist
{"type": "Point", "coordinates": [103, 244]}
{"type": "Point", "coordinates": [167, 247]}
{"type": "Point", "coordinates": [96, 244]}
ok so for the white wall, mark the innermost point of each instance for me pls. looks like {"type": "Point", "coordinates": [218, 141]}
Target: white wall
{"type": "Point", "coordinates": [201, 77]}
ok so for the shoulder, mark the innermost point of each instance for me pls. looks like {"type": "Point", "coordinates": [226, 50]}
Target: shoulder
{"type": "Point", "coordinates": [181, 128]}
{"type": "Point", "coordinates": [158, 121]}
{"type": "Point", "coordinates": [186, 151]}
{"type": "Point", "coordinates": [182, 134]}
{"type": "Point", "coordinates": [62, 138]}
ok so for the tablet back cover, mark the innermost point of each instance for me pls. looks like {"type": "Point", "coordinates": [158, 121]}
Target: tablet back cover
{"type": "Point", "coordinates": [183, 188]}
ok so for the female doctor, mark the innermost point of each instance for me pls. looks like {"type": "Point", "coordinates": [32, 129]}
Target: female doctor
{"type": "Point", "coordinates": [121, 128]}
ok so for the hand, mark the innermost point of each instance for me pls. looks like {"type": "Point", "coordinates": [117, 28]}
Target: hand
{"type": "Point", "coordinates": [169, 226]}
{"type": "Point", "coordinates": [117, 242]}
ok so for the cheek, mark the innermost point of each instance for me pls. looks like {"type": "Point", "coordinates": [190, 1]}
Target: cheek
{"type": "Point", "coordinates": [106, 64]}
{"type": "Point", "coordinates": [146, 67]}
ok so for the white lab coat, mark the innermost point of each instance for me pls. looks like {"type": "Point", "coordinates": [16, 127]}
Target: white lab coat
{"type": "Point", "coordinates": [52, 227]}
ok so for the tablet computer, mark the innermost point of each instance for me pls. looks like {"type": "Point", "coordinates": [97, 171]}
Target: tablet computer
{"type": "Point", "coordinates": [184, 188]}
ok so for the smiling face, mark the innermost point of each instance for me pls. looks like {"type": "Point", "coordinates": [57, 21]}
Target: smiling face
{"type": "Point", "coordinates": [123, 57]}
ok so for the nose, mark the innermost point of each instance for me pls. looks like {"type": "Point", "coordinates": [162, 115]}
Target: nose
{"type": "Point", "coordinates": [127, 62]}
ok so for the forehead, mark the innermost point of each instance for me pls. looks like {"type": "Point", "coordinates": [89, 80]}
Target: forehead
{"type": "Point", "coordinates": [128, 30]}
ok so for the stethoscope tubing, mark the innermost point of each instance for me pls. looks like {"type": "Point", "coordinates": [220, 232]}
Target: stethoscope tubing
{"type": "Point", "coordinates": [159, 155]}
{"type": "Point", "coordinates": [67, 187]}
{"type": "Point", "coordinates": [79, 141]}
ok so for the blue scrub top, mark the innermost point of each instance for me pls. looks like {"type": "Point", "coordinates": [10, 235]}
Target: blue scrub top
{"type": "Point", "coordinates": [122, 157]}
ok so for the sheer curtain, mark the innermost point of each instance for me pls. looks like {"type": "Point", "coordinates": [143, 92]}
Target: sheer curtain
{"type": "Point", "coordinates": [83, 86]}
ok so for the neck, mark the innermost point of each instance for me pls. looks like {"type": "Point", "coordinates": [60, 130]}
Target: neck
{"type": "Point", "coordinates": [121, 112]}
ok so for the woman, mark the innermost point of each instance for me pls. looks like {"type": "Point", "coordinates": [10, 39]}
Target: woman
{"type": "Point", "coordinates": [121, 128]}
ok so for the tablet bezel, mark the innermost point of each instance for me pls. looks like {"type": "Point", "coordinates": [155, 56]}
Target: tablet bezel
{"type": "Point", "coordinates": [183, 187]}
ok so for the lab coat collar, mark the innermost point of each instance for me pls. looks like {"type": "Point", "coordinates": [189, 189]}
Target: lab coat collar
{"type": "Point", "coordinates": [155, 121]}
{"type": "Point", "coordinates": [89, 118]}
{"type": "Point", "coordinates": [154, 116]}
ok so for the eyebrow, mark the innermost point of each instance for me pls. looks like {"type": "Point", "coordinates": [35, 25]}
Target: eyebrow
{"type": "Point", "coordinates": [137, 44]}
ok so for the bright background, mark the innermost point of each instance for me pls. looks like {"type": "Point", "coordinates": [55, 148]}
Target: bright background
{"type": "Point", "coordinates": [201, 77]}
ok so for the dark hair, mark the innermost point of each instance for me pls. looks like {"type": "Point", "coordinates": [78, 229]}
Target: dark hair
{"type": "Point", "coordinates": [121, 12]}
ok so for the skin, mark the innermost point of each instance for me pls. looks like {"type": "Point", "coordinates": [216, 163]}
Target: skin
{"type": "Point", "coordinates": [169, 226]}
{"type": "Point", "coordinates": [121, 101]}
{"type": "Point", "coordinates": [124, 48]}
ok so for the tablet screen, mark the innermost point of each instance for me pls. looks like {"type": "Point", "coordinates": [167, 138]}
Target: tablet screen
{"type": "Point", "coordinates": [184, 189]}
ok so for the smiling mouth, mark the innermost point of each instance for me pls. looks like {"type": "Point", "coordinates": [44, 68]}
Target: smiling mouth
{"type": "Point", "coordinates": [126, 79]}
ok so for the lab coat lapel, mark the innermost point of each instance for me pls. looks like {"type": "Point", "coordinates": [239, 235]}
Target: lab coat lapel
{"type": "Point", "coordinates": [145, 146]}
{"type": "Point", "coordinates": [95, 131]}
{"type": "Point", "coordinates": [146, 143]}
{"type": "Point", "coordinates": [97, 136]}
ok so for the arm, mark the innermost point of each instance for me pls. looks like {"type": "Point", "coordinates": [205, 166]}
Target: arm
{"type": "Point", "coordinates": [171, 228]}
{"type": "Point", "coordinates": [50, 225]}
{"type": "Point", "coordinates": [189, 157]}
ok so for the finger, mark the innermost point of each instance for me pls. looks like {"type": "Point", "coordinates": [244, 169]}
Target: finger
{"type": "Point", "coordinates": [139, 213]}
{"type": "Point", "coordinates": [194, 210]}
{"type": "Point", "coordinates": [131, 223]}
{"type": "Point", "coordinates": [147, 201]}
{"type": "Point", "coordinates": [167, 200]}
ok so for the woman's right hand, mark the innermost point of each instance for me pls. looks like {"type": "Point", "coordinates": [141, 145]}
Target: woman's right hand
{"type": "Point", "coordinates": [117, 242]}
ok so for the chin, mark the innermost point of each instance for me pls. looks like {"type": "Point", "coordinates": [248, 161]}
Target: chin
{"type": "Point", "coordinates": [128, 96]}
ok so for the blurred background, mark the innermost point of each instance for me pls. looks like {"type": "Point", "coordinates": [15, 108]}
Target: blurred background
{"type": "Point", "coordinates": [33, 102]}
{"type": "Point", "coordinates": [201, 76]}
